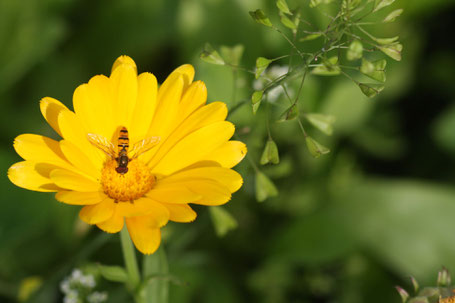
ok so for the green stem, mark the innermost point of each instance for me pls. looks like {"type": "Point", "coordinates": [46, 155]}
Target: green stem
{"type": "Point", "coordinates": [129, 255]}
{"type": "Point", "coordinates": [155, 272]}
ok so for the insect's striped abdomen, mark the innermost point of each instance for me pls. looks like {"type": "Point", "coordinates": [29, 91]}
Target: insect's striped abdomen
{"type": "Point", "coordinates": [123, 140]}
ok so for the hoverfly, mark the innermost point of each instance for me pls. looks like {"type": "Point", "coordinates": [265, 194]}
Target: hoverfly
{"type": "Point", "coordinates": [121, 156]}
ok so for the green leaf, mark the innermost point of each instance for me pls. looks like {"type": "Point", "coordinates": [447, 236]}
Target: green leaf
{"type": "Point", "coordinates": [222, 220]}
{"type": "Point", "coordinates": [381, 4]}
{"type": "Point", "coordinates": [256, 100]}
{"type": "Point", "coordinates": [374, 70]}
{"type": "Point", "coordinates": [371, 90]}
{"type": "Point", "coordinates": [310, 37]}
{"type": "Point", "coordinates": [315, 148]}
{"type": "Point", "coordinates": [415, 284]}
{"type": "Point", "coordinates": [385, 41]}
{"type": "Point", "coordinates": [261, 64]}
{"type": "Point", "coordinates": [314, 3]}
{"type": "Point", "coordinates": [380, 64]}
{"type": "Point", "coordinates": [444, 279]}
{"type": "Point", "coordinates": [260, 17]}
{"type": "Point", "coordinates": [403, 294]}
{"type": "Point", "coordinates": [296, 19]}
{"type": "Point", "coordinates": [264, 187]}
{"type": "Point", "coordinates": [270, 153]}
{"type": "Point", "coordinates": [329, 68]}
{"type": "Point", "coordinates": [283, 7]}
{"type": "Point", "coordinates": [355, 50]}
{"type": "Point", "coordinates": [232, 55]}
{"type": "Point", "coordinates": [322, 122]}
{"type": "Point", "coordinates": [393, 51]}
{"type": "Point", "coordinates": [113, 273]}
{"type": "Point", "coordinates": [393, 15]}
{"type": "Point", "coordinates": [210, 55]}
{"type": "Point", "coordinates": [290, 114]}
{"type": "Point", "coordinates": [349, 5]}
{"type": "Point", "coordinates": [256, 107]}
{"type": "Point", "coordinates": [257, 96]}
{"type": "Point", "coordinates": [287, 22]}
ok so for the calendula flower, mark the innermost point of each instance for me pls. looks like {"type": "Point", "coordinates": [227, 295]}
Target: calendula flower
{"type": "Point", "coordinates": [134, 153]}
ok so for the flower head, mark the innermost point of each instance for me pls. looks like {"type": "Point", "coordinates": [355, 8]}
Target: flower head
{"type": "Point", "coordinates": [134, 153]}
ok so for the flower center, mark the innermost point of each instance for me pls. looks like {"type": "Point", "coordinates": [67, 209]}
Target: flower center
{"type": "Point", "coordinates": [129, 186]}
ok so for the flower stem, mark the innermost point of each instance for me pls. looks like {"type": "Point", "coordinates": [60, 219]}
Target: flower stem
{"type": "Point", "coordinates": [129, 255]}
{"type": "Point", "coordinates": [155, 273]}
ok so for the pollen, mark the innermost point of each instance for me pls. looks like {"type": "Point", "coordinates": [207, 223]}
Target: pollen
{"type": "Point", "coordinates": [129, 186]}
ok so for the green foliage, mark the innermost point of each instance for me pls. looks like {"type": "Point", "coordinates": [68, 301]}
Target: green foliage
{"type": "Point", "coordinates": [322, 122]}
{"type": "Point", "coordinates": [355, 50]}
{"type": "Point", "coordinates": [260, 17]}
{"type": "Point", "coordinates": [315, 148]}
{"type": "Point", "coordinates": [270, 153]}
{"type": "Point", "coordinates": [264, 187]}
{"type": "Point", "coordinates": [222, 220]}
{"type": "Point", "coordinates": [371, 90]}
{"type": "Point", "coordinates": [232, 55]}
{"type": "Point", "coordinates": [345, 32]}
{"type": "Point", "coordinates": [283, 7]}
{"type": "Point", "coordinates": [261, 64]}
{"type": "Point", "coordinates": [443, 292]}
{"type": "Point", "coordinates": [291, 113]}
{"type": "Point", "coordinates": [210, 55]}
{"type": "Point", "coordinates": [113, 273]}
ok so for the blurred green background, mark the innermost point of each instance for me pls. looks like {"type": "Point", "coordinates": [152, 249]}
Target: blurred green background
{"type": "Point", "coordinates": [346, 227]}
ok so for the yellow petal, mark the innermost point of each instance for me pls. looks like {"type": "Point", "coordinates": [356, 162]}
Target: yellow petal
{"type": "Point", "coordinates": [73, 131]}
{"type": "Point", "coordinates": [181, 213]}
{"type": "Point", "coordinates": [186, 71]}
{"type": "Point", "coordinates": [123, 60]}
{"type": "Point", "coordinates": [97, 213]}
{"type": "Point", "coordinates": [193, 98]}
{"type": "Point", "coordinates": [124, 87]}
{"type": "Point", "coordinates": [113, 224]}
{"type": "Point", "coordinates": [194, 147]}
{"type": "Point", "coordinates": [73, 181]}
{"type": "Point", "coordinates": [229, 154]}
{"type": "Point", "coordinates": [145, 106]}
{"type": "Point", "coordinates": [80, 198]}
{"type": "Point", "coordinates": [206, 115]}
{"type": "Point", "coordinates": [93, 106]}
{"type": "Point", "coordinates": [142, 207]}
{"type": "Point", "coordinates": [169, 95]}
{"type": "Point", "coordinates": [51, 108]}
{"type": "Point", "coordinates": [212, 193]}
{"type": "Point", "coordinates": [80, 160]}
{"type": "Point", "coordinates": [40, 149]}
{"type": "Point", "coordinates": [146, 238]}
{"type": "Point", "coordinates": [32, 176]}
{"type": "Point", "coordinates": [172, 193]}
{"type": "Point", "coordinates": [225, 176]}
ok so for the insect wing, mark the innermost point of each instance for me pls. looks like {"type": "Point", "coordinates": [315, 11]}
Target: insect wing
{"type": "Point", "coordinates": [143, 146]}
{"type": "Point", "coordinates": [103, 144]}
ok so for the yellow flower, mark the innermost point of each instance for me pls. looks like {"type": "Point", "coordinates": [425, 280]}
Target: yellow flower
{"type": "Point", "coordinates": [177, 152]}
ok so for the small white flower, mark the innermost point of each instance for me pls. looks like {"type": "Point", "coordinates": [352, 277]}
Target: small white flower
{"type": "Point", "coordinates": [76, 274]}
{"type": "Point", "coordinates": [88, 281]}
{"type": "Point", "coordinates": [97, 297]}
{"type": "Point", "coordinates": [71, 297]}
{"type": "Point", "coordinates": [65, 286]}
